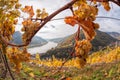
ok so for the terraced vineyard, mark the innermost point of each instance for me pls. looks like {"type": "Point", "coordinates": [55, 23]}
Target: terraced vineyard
{"type": "Point", "coordinates": [102, 65]}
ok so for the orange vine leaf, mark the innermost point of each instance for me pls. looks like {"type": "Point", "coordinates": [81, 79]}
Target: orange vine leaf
{"type": "Point", "coordinates": [88, 29]}
{"type": "Point", "coordinates": [70, 20]}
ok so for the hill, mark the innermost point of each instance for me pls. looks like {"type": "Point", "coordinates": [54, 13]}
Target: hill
{"type": "Point", "coordinates": [102, 39]}
{"type": "Point", "coordinates": [114, 34]}
{"type": "Point", "coordinates": [36, 41]}
{"type": "Point", "coordinates": [63, 49]}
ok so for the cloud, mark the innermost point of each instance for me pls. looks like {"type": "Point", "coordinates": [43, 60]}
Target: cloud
{"type": "Point", "coordinates": [50, 5]}
{"type": "Point", "coordinates": [107, 24]}
{"type": "Point", "coordinates": [61, 29]}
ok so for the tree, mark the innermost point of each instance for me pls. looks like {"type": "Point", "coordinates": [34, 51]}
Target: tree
{"type": "Point", "coordinates": [83, 14]}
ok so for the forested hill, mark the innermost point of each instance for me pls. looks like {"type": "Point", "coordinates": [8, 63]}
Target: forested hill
{"type": "Point", "coordinates": [102, 39]}
{"type": "Point", "coordinates": [63, 49]}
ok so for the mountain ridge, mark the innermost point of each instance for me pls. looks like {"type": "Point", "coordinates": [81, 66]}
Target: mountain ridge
{"type": "Point", "coordinates": [101, 39]}
{"type": "Point", "coordinates": [36, 41]}
{"type": "Point", "coordinates": [114, 34]}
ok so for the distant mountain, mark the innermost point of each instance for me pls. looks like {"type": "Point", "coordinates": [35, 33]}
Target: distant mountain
{"type": "Point", "coordinates": [17, 37]}
{"type": "Point", "coordinates": [36, 41]}
{"type": "Point", "coordinates": [102, 39]}
{"type": "Point", "coordinates": [57, 40]}
{"type": "Point", "coordinates": [63, 49]}
{"type": "Point", "coordinates": [62, 39]}
{"type": "Point", "coordinates": [114, 34]}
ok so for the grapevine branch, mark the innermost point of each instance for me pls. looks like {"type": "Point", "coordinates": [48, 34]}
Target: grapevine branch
{"type": "Point", "coordinates": [44, 21]}
{"type": "Point", "coordinates": [4, 58]}
{"type": "Point", "coordinates": [67, 6]}
{"type": "Point", "coordinates": [3, 75]}
{"type": "Point", "coordinates": [6, 63]}
{"type": "Point", "coordinates": [8, 67]}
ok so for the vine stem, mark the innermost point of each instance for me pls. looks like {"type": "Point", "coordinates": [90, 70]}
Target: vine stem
{"type": "Point", "coordinates": [6, 64]}
{"type": "Point", "coordinates": [3, 60]}
{"type": "Point", "coordinates": [8, 67]}
{"type": "Point", "coordinates": [3, 55]}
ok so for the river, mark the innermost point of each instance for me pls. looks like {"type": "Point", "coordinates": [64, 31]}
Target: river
{"type": "Point", "coordinates": [42, 49]}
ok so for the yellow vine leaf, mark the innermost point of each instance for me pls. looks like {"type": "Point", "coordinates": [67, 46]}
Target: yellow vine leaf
{"type": "Point", "coordinates": [42, 14]}
{"type": "Point", "coordinates": [38, 11]}
{"type": "Point", "coordinates": [79, 3]}
{"type": "Point", "coordinates": [27, 22]}
{"type": "Point", "coordinates": [17, 56]}
{"type": "Point", "coordinates": [31, 75]}
{"type": "Point", "coordinates": [37, 56]}
{"type": "Point", "coordinates": [17, 6]}
{"type": "Point", "coordinates": [18, 67]}
{"type": "Point", "coordinates": [80, 62]}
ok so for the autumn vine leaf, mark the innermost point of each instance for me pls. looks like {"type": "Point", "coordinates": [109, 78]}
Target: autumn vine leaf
{"type": "Point", "coordinates": [106, 5]}
{"type": "Point", "coordinates": [15, 21]}
{"type": "Point", "coordinates": [29, 10]}
{"type": "Point", "coordinates": [17, 56]}
{"type": "Point", "coordinates": [88, 29]}
{"type": "Point", "coordinates": [26, 22]}
{"type": "Point", "coordinates": [42, 14]}
{"type": "Point", "coordinates": [70, 20]}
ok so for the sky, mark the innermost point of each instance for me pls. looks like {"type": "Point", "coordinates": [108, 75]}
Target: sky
{"type": "Point", "coordinates": [56, 29]}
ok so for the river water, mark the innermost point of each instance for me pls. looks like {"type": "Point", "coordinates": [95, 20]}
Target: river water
{"type": "Point", "coordinates": [42, 49]}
